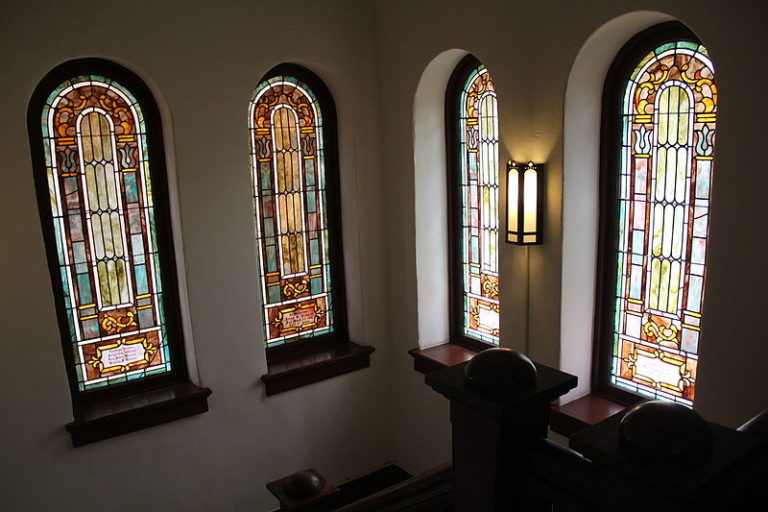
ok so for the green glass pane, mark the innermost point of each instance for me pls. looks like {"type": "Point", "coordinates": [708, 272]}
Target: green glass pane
{"type": "Point", "coordinates": [131, 187]}
{"type": "Point", "coordinates": [84, 288]}
{"type": "Point", "coordinates": [157, 282]}
{"type": "Point", "coordinates": [664, 47]}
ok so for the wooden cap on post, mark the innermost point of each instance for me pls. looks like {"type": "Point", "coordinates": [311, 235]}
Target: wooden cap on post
{"type": "Point", "coordinates": [658, 431]}
{"type": "Point", "coordinates": [500, 369]}
{"type": "Point", "coordinates": [302, 490]}
{"type": "Point", "coordinates": [672, 452]}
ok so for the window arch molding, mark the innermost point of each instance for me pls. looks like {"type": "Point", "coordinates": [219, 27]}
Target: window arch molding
{"type": "Point", "coordinates": [125, 179]}
{"type": "Point", "coordinates": [670, 319]}
{"type": "Point", "coordinates": [430, 210]}
{"type": "Point", "coordinates": [581, 183]}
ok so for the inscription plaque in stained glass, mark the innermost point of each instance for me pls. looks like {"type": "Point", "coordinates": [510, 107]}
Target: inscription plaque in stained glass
{"type": "Point", "coordinates": [103, 213]}
{"type": "Point", "coordinates": [479, 149]}
{"type": "Point", "coordinates": [669, 111]}
{"type": "Point", "coordinates": [289, 189]}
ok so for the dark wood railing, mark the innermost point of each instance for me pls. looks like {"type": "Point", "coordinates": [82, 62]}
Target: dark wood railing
{"type": "Point", "coordinates": [655, 456]}
{"type": "Point", "coordinates": [428, 492]}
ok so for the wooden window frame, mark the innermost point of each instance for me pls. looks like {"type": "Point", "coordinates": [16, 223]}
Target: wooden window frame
{"type": "Point", "coordinates": [610, 154]}
{"type": "Point", "coordinates": [124, 407]}
{"type": "Point", "coordinates": [453, 166]}
{"type": "Point", "coordinates": [305, 361]}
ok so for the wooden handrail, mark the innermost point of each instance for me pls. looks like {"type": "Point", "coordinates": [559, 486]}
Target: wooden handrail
{"type": "Point", "coordinates": [658, 456]}
{"type": "Point", "coordinates": [428, 492]}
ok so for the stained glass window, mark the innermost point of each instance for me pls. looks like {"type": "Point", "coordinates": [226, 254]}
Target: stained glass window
{"type": "Point", "coordinates": [668, 114]}
{"type": "Point", "coordinates": [291, 180]}
{"type": "Point", "coordinates": [479, 189]}
{"type": "Point", "coordinates": [105, 237]}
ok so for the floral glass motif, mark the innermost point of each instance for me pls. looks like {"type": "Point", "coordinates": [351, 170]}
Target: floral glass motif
{"type": "Point", "coordinates": [97, 166]}
{"type": "Point", "coordinates": [288, 163]}
{"type": "Point", "coordinates": [668, 120]}
{"type": "Point", "coordinates": [479, 155]}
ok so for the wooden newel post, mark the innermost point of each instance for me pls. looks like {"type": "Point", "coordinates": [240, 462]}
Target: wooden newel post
{"type": "Point", "coordinates": [500, 403]}
{"type": "Point", "coordinates": [664, 456]}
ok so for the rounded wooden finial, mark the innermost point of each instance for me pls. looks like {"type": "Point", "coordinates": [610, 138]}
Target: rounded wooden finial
{"type": "Point", "coordinates": [664, 431]}
{"type": "Point", "coordinates": [303, 484]}
{"type": "Point", "coordinates": [500, 369]}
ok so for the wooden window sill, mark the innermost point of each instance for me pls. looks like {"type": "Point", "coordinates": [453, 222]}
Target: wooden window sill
{"type": "Point", "coordinates": [313, 363]}
{"type": "Point", "coordinates": [118, 416]}
{"type": "Point", "coordinates": [565, 419]}
{"type": "Point", "coordinates": [588, 410]}
{"type": "Point", "coordinates": [440, 356]}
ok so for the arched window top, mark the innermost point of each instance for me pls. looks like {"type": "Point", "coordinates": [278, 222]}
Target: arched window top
{"type": "Point", "coordinates": [297, 95]}
{"type": "Point", "coordinates": [688, 56]}
{"type": "Point", "coordinates": [69, 91]}
{"type": "Point", "coordinates": [477, 95]}
{"type": "Point", "coordinates": [660, 112]}
{"type": "Point", "coordinates": [682, 64]}
{"type": "Point", "coordinates": [473, 181]}
{"type": "Point", "coordinates": [292, 124]}
{"type": "Point", "coordinates": [99, 170]}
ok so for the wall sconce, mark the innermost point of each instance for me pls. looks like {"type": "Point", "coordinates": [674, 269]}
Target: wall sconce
{"type": "Point", "coordinates": [524, 203]}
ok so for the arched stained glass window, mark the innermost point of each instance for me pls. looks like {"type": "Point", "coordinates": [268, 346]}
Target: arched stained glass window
{"type": "Point", "coordinates": [293, 157]}
{"type": "Point", "coordinates": [473, 140]}
{"type": "Point", "coordinates": [665, 129]}
{"type": "Point", "coordinates": [104, 209]}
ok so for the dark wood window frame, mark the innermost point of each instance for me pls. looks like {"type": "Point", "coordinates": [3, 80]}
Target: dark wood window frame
{"type": "Point", "coordinates": [314, 359]}
{"type": "Point", "coordinates": [120, 408]}
{"type": "Point", "coordinates": [610, 143]}
{"type": "Point", "coordinates": [455, 220]}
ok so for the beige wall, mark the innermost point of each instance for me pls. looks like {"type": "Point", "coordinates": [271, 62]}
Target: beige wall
{"type": "Point", "coordinates": [203, 59]}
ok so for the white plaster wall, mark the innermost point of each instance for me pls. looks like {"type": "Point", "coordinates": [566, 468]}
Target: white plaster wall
{"type": "Point", "coordinates": [204, 58]}
{"type": "Point", "coordinates": [431, 201]}
{"type": "Point", "coordinates": [530, 49]}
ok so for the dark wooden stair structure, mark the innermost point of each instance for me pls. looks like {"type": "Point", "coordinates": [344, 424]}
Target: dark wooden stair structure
{"type": "Point", "coordinates": [654, 456]}
{"type": "Point", "coordinates": [428, 492]}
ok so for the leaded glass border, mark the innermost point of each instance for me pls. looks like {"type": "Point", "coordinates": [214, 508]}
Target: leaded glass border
{"type": "Point", "coordinates": [660, 105]}
{"type": "Point", "coordinates": [94, 131]}
{"type": "Point", "coordinates": [292, 126]}
{"type": "Point", "coordinates": [473, 187]}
